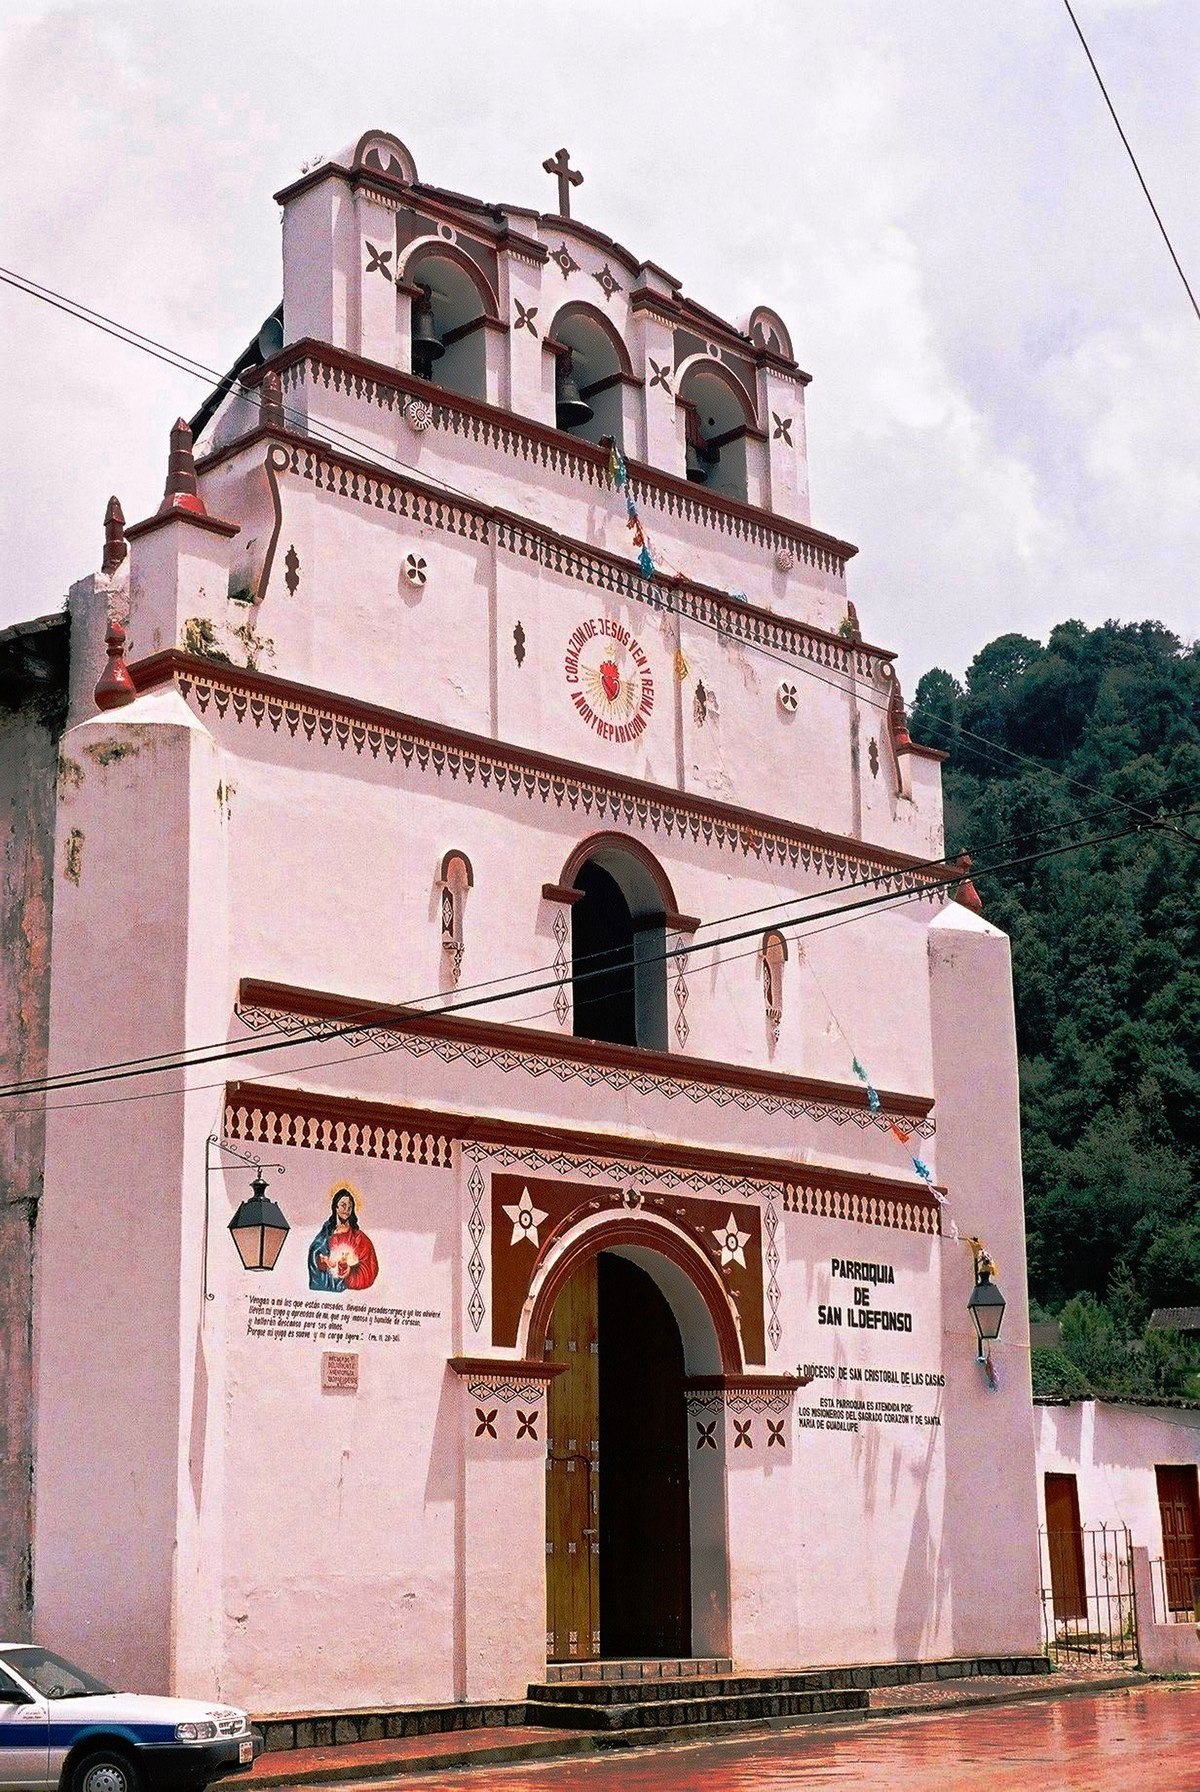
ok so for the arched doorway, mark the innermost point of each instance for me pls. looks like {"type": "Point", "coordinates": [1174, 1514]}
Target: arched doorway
{"type": "Point", "coordinates": [618, 1556]}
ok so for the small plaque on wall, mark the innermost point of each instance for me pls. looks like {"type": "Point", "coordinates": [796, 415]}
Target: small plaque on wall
{"type": "Point", "coordinates": [339, 1372]}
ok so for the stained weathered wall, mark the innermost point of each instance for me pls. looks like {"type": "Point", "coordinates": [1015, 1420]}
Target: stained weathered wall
{"type": "Point", "coordinates": [30, 717]}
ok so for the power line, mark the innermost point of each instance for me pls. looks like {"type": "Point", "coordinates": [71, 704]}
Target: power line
{"type": "Point", "coordinates": [235, 1051]}
{"type": "Point", "coordinates": [614, 962]}
{"type": "Point", "coordinates": [339, 437]}
{"type": "Point", "coordinates": [1133, 159]}
{"type": "Point", "coordinates": [332, 435]}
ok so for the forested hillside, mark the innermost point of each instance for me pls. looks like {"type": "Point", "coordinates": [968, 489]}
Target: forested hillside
{"type": "Point", "coordinates": [1106, 959]}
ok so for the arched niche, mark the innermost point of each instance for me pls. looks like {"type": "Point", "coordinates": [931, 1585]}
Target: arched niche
{"type": "Point", "coordinates": [718, 414]}
{"type": "Point", "coordinates": [379, 152]}
{"type": "Point", "coordinates": [767, 330]}
{"type": "Point", "coordinates": [618, 942]}
{"type": "Point", "coordinates": [590, 354]}
{"type": "Point", "coordinates": [454, 879]}
{"type": "Point", "coordinates": [451, 310]}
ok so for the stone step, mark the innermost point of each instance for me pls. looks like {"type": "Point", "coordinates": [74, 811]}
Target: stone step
{"type": "Point", "coordinates": [693, 1684]}
{"type": "Point", "coordinates": [671, 1667]}
{"type": "Point", "coordinates": [679, 1713]}
{"type": "Point", "coordinates": [724, 1686]}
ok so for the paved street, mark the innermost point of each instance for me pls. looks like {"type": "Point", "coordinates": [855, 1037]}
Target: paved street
{"type": "Point", "coordinates": [1142, 1741]}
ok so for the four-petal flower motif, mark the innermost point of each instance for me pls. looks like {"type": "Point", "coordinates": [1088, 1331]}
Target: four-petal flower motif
{"type": "Point", "coordinates": [525, 317]}
{"type": "Point", "coordinates": [731, 1239]}
{"type": "Point", "coordinates": [526, 1218]}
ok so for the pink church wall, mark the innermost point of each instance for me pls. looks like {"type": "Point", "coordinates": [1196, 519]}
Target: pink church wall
{"type": "Point", "coordinates": [298, 1546]}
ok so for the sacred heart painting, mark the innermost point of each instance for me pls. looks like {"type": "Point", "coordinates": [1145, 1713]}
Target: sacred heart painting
{"type": "Point", "coordinates": [609, 679]}
{"type": "Point", "coordinates": [341, 1258]}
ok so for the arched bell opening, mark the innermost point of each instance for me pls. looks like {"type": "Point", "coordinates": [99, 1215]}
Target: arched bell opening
{"type": "Point", "coordinates": [591, 365]}
{"type": "Point", "coordinates": [716, 419]}
{"type": "Point", "coordinates": [636, 1560]}
{"type": "Point", "coordinates": [618, 946]}
{"type": "Point", "coordinates": [449, 323]}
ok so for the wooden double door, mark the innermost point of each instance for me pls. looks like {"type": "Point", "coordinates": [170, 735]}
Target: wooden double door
{"type": "Point", "coordinates": [618, 1557]}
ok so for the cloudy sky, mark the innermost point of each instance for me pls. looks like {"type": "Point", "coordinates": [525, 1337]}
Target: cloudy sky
{"type": "Point", "coordinates": [1005, 408]}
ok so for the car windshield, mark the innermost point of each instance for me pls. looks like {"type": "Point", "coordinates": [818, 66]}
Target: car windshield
{"type": "Point", "coordinates": [50, 1675]}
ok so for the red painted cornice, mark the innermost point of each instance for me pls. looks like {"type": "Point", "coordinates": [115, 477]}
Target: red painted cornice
{"type": "Point", "coordinates": [315, 1004]}
{"type": "Point", "coordinates": [748, 612]}
{"type": "Point", "coordinates": [572, 1142]}
{"type": "Point", "coordinates": [161, 668]}
{"type": "Point", "coordinates": [643, 475]}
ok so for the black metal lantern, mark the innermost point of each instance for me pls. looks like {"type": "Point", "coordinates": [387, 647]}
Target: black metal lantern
{"type": "Point", "coordinates": [986, 1307]}
{"type": "Point", "coordinates": [258, 1228]}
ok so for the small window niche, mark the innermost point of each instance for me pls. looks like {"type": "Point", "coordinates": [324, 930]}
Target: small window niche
{"type": "Point", "coordinates": [774, 957]}
{"type": "Point", "coordinates": [455, 878]}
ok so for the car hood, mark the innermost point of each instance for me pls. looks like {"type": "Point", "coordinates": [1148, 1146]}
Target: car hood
{"type": "Point", "coordinates": [138, 1708]}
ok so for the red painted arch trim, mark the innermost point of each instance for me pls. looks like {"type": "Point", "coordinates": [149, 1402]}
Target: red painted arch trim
{"type": "Point", "coordinates": [439, 249]}
{"type": "Point", "coordinates": [633, 849]}
{"type": "Point", "coordinates": [652, 1235]}
{"type": "Point", "coordinates": [578, 308]}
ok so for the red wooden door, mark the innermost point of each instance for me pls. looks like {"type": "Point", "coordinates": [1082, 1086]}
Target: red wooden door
{"type": "Point", "coordinates": [1064, 1536]}
{"type": "Point", "coordinates": [572, 1470]}
{"type": "Point", "coordinates": [1179, 1504]}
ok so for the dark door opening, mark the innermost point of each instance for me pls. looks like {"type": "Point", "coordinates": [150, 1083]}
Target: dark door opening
{"type": "Point", "coordinates": [602, 946]}
{"type": "Point", "coordinates": [645, 1553]}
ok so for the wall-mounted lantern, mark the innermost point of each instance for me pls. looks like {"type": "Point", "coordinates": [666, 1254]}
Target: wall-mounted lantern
{"type": "Point", "coordinates": [986, 1304]}
{"type": "Point", "coordinates": [258, 1228]}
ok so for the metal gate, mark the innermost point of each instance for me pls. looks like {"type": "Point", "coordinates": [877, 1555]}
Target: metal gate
{"type": "Point", "coordinates": [1088, 1608]}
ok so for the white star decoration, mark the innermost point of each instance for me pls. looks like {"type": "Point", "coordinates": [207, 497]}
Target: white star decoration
{"type": "Point", "coordinates": [526, 1219]}
{"type": "Point", "coordinates": [731, 1241]}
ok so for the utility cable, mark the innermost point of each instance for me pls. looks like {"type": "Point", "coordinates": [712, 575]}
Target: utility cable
{"type": "Point", "coordinates": [1133, 159]}
{"type": "Point", "coordinates": [338, 436]}
{"type": "Point", "coordinates": [237, 1050]}
{"type": "Point", "coordinates": [614, 962]}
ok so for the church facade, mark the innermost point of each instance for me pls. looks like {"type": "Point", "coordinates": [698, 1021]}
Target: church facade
{"type": "Point", "coordinates": [479, 796]}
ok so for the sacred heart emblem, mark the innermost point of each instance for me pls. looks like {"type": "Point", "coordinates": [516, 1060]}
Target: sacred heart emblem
{"type": "Point", "coordinates": [610, 680]}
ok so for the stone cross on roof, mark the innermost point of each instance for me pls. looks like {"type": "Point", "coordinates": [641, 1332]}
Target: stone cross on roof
{"type": "Point", "coordinates": [568, 177]}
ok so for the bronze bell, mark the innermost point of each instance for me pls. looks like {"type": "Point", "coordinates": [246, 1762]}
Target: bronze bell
{"type": "Point", "coordinates": [694, 465]}
{"type": "Point", "coordinates": [427, 345]}
{"type": "Point", "coordinates": [571, 410]}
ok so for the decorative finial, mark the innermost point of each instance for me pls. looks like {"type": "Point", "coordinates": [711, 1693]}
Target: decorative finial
{"type": "Point", "coordinates": [966, 893]}
{"type": "Point", "coordinates": [270, 402]}
{"type": "Point", "coordinates": [182, 491]}
{"type": "Point", "coordinates": [115, 687]}
{"type": "Point", "coordinates": [896, 716]}
{"type": "Point", "coordinates": [568, 177]}
{"type": "Point", "coordinates": [115, 545]}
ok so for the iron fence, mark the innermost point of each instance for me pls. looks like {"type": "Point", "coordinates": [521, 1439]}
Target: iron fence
{"type": "Point", "coordinates": [1175, 1584]}
{"type": "Point", "coordinates": [1088, 1608]}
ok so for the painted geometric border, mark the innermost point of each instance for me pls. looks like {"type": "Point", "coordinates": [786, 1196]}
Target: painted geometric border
{"type": "Point", "coordinates": [538, 1064]}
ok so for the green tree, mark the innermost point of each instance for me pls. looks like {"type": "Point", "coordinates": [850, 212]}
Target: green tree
{"type": "Point", "coordinates": [1106, 959]}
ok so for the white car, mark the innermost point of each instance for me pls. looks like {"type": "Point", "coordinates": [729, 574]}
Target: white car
{"type": "Point", "coordinates": [63, 1730]}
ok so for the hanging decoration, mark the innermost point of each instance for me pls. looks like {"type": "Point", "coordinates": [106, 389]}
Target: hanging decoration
{"type": "Point", "coordinates": [898, 1132]}
{"type": "Point", "coordinates": [618, 473]}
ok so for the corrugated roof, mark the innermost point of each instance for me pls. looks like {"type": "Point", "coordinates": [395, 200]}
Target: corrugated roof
{"type": "Point", "coordinates": [1175, 1319]}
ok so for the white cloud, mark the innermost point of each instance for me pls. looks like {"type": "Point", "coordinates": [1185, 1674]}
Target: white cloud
{"type": "Point", "coordinates": [1005, 368]}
